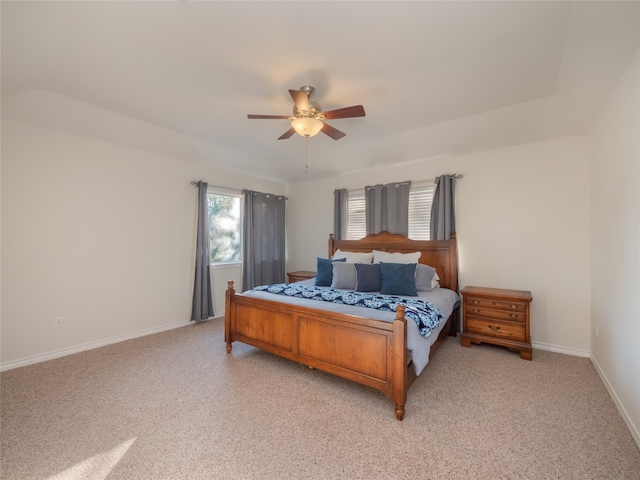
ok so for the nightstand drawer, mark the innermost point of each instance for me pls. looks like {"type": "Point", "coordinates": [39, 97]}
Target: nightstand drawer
{"type": "Point", "coordinates": [497, 304]}
{"type": "Point", "coordinates": [498, 314]}
{"type": "Point", "coordinates": [495, 328]}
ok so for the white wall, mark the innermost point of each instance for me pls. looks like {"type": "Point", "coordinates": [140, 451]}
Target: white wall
{"type": "Point", "coordinates": [615, 259]}
{"type": "Point", "coordinates": [100, 235]}
{"type": "Point", "coordinates": [522, 222]}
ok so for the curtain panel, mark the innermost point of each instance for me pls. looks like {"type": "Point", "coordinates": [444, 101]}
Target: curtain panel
{"type": "Point", "coordinates": [340, 206]}
{"type": "Point", "coordinates": [202, 305]}
{"type": "Point", "coordinates": [263, 245]}
{"type": "Point", "coordinates": [387, 208]}
{"type": "Point", "coordinates": [443, 217]}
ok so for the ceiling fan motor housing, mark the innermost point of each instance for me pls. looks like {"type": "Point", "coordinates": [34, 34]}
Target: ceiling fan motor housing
{"type": "Point", "coordinates": [314, 110]}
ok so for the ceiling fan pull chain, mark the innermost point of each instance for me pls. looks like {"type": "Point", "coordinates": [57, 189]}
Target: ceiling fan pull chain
{"type": "Point", "coordinates": [306, 154]}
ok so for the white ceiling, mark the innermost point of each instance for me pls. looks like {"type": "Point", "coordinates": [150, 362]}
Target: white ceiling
{"type": "Point", "coordinates": [435, 78]}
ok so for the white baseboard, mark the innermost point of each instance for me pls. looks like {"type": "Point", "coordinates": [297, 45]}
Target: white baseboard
{"type": "Point", "coordinates": [635, 434]}
{"type": "Point", "coordinates": [23, 362]}
{"type": "Point", "coordinates": [576, 352]}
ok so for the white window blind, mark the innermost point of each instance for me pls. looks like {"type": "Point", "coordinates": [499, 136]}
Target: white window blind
{"type": "Point", "coordinates": [420, 200]}
{"type": "Point", "coordinates": [356, 220]}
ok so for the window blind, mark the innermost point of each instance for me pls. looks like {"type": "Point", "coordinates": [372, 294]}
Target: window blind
{"type": "Point", "coordinates": [356, 219]}
{"type": "Point", "coordinates": [420, 200]}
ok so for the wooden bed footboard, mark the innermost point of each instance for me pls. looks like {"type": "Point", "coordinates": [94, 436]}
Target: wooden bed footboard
{"type": "Point", "coordinates": [366, 351]}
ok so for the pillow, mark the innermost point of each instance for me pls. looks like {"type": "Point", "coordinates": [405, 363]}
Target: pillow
{"type": "Point", "coordinates": [354, 257]}
{"type": "Point", "coordinates": [387, 257]}
{"type": "Point", "coordinates": [367, 277]}
{"type": "Point", "coordinates": [434, 281]}
{"type": "Point", "coordinates": [344, 276]}
{"type": "Point", "coordinates": [424, 276]}
{"type": "Point", "coordinates": [398, 279]}
{"type": "Point", "coordinates": [324, 271]}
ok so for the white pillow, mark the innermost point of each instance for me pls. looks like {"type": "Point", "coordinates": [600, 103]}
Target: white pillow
{"type": "Point", "coordinates": [434, 281]}
{"type": "Point", "coordinates": [353, 257]}
{"type": "Point", "coordinates": [387, 257]}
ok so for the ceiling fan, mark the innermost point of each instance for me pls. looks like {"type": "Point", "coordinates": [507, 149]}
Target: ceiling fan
{"type": "Point", "coordinates": [308, 119]}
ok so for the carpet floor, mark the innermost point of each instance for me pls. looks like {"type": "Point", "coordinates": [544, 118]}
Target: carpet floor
{"type": "Point", "coordinates": [175, 405]}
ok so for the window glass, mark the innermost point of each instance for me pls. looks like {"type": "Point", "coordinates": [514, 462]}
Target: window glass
{"type": "Point", "coordinates": [225, 227]}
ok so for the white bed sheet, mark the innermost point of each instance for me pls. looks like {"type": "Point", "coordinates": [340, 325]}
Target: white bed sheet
{"type": "Point", "coordinates": [418, 346]}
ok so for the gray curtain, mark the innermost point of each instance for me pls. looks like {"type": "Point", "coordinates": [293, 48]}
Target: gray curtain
{"type": "Point", "coordinates": [263, 245]}
{"type": "Point", "coordinates": [443, 217]}
{"type": "Point", "coordinates": [340, 203]}
{"type": "Point", "coordinates": [202, 307]}
{"type": "Point", "coordinates": [387, 208]}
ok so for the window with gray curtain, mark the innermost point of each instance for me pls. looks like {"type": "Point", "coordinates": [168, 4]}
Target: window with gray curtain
{"type": "Point", "coordinates": [387, 208]}
{"type": "Point", "coordinates": [263, 246]}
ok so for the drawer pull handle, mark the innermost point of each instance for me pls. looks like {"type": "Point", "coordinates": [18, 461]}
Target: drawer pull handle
{"type": "Point", "coordinates": [476, 302]}
{"type": "Point", "coordinates": [494, 328]}
{"type": "Point", "coordinates": [513, 307]}
{"type": "Point", "coordinates": [513, 315]}
{"type": "Point", "coordinates": [476, 310]}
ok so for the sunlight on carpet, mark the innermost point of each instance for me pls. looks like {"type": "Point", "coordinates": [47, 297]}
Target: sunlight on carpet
{"type": "Point", "coordinates": [97, 467]}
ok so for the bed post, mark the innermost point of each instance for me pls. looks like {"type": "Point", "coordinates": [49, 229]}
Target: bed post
{"type": "Point", "coordinates": [400, 362]}
{"type": "Point", "coordinates": [453, 272]}
{"type": "Point", "coordinates": [331, 249]}
{"type": "Point", "coordinates": [227, 315]}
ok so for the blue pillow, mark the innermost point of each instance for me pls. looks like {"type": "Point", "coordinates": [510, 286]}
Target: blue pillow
{"type": "Point", "coordinates": [324, 271]}
{"type": "Point", "coordinates": [367, 277]}
{"type": "Point", "coordinates": [398, 279]}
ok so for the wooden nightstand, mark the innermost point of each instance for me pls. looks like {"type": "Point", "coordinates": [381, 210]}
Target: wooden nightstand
{"type": "Point", "coordinates": [300, 275]}
{"type": "Point", "coordinates": [497, 316]}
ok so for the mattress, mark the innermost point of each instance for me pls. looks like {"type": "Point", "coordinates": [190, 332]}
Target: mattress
{"type": "Point", "coordinates": [419, 346]}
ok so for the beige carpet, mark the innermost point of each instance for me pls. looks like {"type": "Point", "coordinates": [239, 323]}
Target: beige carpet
{"type": "Point", "coordinates": [175, 406]}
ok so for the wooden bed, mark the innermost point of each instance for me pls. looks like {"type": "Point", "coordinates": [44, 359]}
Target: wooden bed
{"type": "Point", "coordinates": [367, 351]}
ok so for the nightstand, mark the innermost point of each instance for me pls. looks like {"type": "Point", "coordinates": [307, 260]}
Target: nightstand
{"type": "Point", "coordinates": [497, 316]}
{"type": "Point", "coordinates": [300, 275]}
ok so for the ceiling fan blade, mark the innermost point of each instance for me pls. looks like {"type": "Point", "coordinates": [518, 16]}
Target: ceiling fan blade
{"type": "Point", "coordinates": [287, 134]}
{"type": "Point", "coordinates": [301, 99]}
{"type": "Point", "coordinates": [280, 117]}
{"type": "Point", "coordinates": [347, 112]}
{"type": "Point", "coordinates": [332, 132]}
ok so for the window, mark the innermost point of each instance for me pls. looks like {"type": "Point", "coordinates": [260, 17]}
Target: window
{"type": "Point", "coordinates": [420, 200]}
{"type": "Point", "coordinates": [356, 220]}
{"type": "Point", "coordinates": [225, 226]}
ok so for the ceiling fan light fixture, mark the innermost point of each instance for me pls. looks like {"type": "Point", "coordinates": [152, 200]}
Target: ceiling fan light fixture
{"type": "Point", "coordinates": [307, 126]}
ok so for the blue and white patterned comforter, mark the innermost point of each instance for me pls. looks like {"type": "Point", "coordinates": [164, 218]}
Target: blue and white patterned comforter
{"type": "Point", "coordinates": [426, 315]}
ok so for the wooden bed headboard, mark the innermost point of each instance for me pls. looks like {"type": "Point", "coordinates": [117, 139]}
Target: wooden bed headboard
{"type": "Point", "coordinates": [440, 254]}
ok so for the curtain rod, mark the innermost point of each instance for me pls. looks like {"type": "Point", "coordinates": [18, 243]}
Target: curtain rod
{"type": "Point", "coordinates": [197, 183]}
{"type": "Point", "coordinates": [454, 175]}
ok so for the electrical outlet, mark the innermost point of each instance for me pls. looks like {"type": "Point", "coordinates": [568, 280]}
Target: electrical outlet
{"type": "Point", "coordinates": [57, 322]}
{"type": "Point", "coordinates": [596, 331]}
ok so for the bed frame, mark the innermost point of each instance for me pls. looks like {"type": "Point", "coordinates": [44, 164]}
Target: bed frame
{"type": "Point", "coordinates": [367, 351]}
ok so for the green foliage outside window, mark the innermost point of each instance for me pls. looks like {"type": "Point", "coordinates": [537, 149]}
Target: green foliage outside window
{"type": "Point", "coordinates": [224, 228]}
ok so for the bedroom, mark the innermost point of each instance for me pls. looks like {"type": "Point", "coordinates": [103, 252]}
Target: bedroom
{"type": "Point", "coordinates": [98, 210]}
